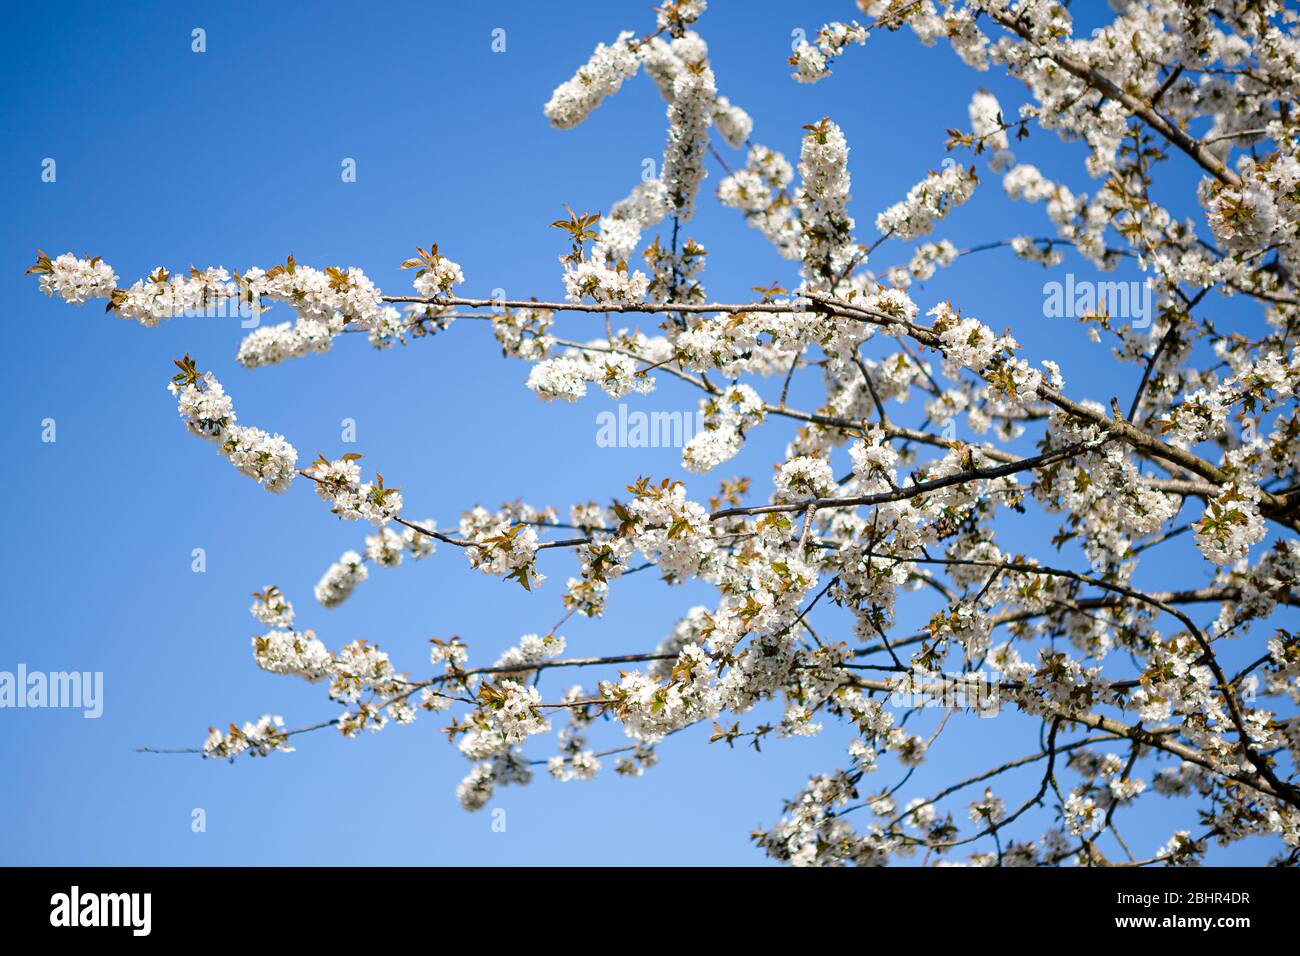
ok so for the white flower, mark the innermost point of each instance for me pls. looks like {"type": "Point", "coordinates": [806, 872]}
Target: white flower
{"type": "Point", "coordinates": [827, 229]}
{"type": "Point", "coordinates": [385, 548]}
{"type": "Point", "coordinates": [268, 459]}
{"type": "Point", "coordinates": [1044, 254]}
{"type": "Point", "coordinates": [339, 483]}
{"type": "Point", "coordinates": [507, 715]}
{"type": "Point", "coordinates": [419, 545]}
{"type": "Point", "coordinates": [532, 650]}
{"type": "Point", "coordinates": [601, 76]}
{"type": "Point", "coordinates": [989, 810]}
{"type": "Point", "coordinates": [649, 710]}
{"type": "Point", "coordinates": [670, 530]}
{"type": "Point", "coordinates": [477, 788]}
{"type": "Point", "coordinates": [326, 302]}
{"type": "Point", "coordinates": [358, 668]}
{"type": "Point", "coordinates": [583, 765]}
{"type": "Point", "coordinates": [989, 128]}
{"type": "Point", "coordinates": [291, 652]}
{"type": "Point", "coordinates": [804, 477]}
{"type": "Point", "coordinates": [210, 414]}
{"type": "Point", "coordinates": [674, 15]}
{"type": "Point", "coordinates": [1231, 524]}
{"type": "Point", "coordinates": [1082, 815]}
{"type": "Point", "coordinates": [732, 122]}
{"type": "Point", "coordinates": [873, 462]}
{"type": "Point", "coordinates": [75, 280]}
{"type": "Point", "coordinates": [811, 62]}
{"type": "Point", "coordinates": [967, 343]}
{"type": "Point", "coordinates": [257, 739]}
{"type": "Point", "coordinates": [689, 116]}
{"type": "Point", "coordinates": [563, 378]}
{"type": "Point", "coordinates": [272, 608]}
{"type": "Point", "coordinates": [502, 548]}
{"type": "Point", "coordinates": [726, 418]}
{"type": "Point", "coordinates": [927, 202]}
{"type": "Point", "coordinates": [929, 256]}
{"type": "Point", "coordinates": [620, 230]}
{"type": "Point", "coordinates": [1027, 183]}
{"type": "Point", "coordinates": [438, 275]}
{"type": "Point", "coordinates": [207, 409]}
{"type": "Point", "coordinates": [592, 278]}
{"type": "Point", "coordinates": [341, 579]}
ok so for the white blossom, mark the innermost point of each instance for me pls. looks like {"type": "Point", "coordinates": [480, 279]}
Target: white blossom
{"type": "Point", "coordinates": [602, 75]}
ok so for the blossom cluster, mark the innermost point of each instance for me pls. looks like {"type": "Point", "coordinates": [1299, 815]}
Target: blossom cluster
{"type": "Point", "coordinates": [258, 738]}
{"type": "Point", "coordinates": [812, 60]}
{"type": "Point", "coordinates": [326, 301]}
{"type": "Point", "coordinates": [74, 279]}
{"type": "Point", "coordinates": [507, 715]}
{"type": "Point", "coordinates": [726, 418]}
{"type": "Point", "coordinates": [339, 482]}
{"type": "Point", "coordinates": [209, 413]}
{"type": "Point", "coordinates": [928, 202]}
{"type": "Point", "coordinates": [827, 229]}
{"type": "Point", "coordinates": [601, 76]}
{"type": "Point", "coordinates": [501, 546]}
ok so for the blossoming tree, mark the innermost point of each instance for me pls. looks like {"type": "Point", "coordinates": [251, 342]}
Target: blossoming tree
{"type": "Point", "coordinates": [1129, 684]}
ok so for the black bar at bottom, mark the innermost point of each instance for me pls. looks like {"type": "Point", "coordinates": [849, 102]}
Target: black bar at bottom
{"type": "Point", "coordinates": [331, 904]}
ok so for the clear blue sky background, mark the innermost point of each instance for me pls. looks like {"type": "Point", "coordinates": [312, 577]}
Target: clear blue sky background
{"type": "Point", "coordinates": [233, 157]}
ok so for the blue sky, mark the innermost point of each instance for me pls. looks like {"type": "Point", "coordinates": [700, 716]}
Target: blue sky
{"type": "Point", "coordinates": [232, 157]}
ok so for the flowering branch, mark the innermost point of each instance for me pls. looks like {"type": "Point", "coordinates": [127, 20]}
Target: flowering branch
{"type": "Point", "coordinates": [871, 503]}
